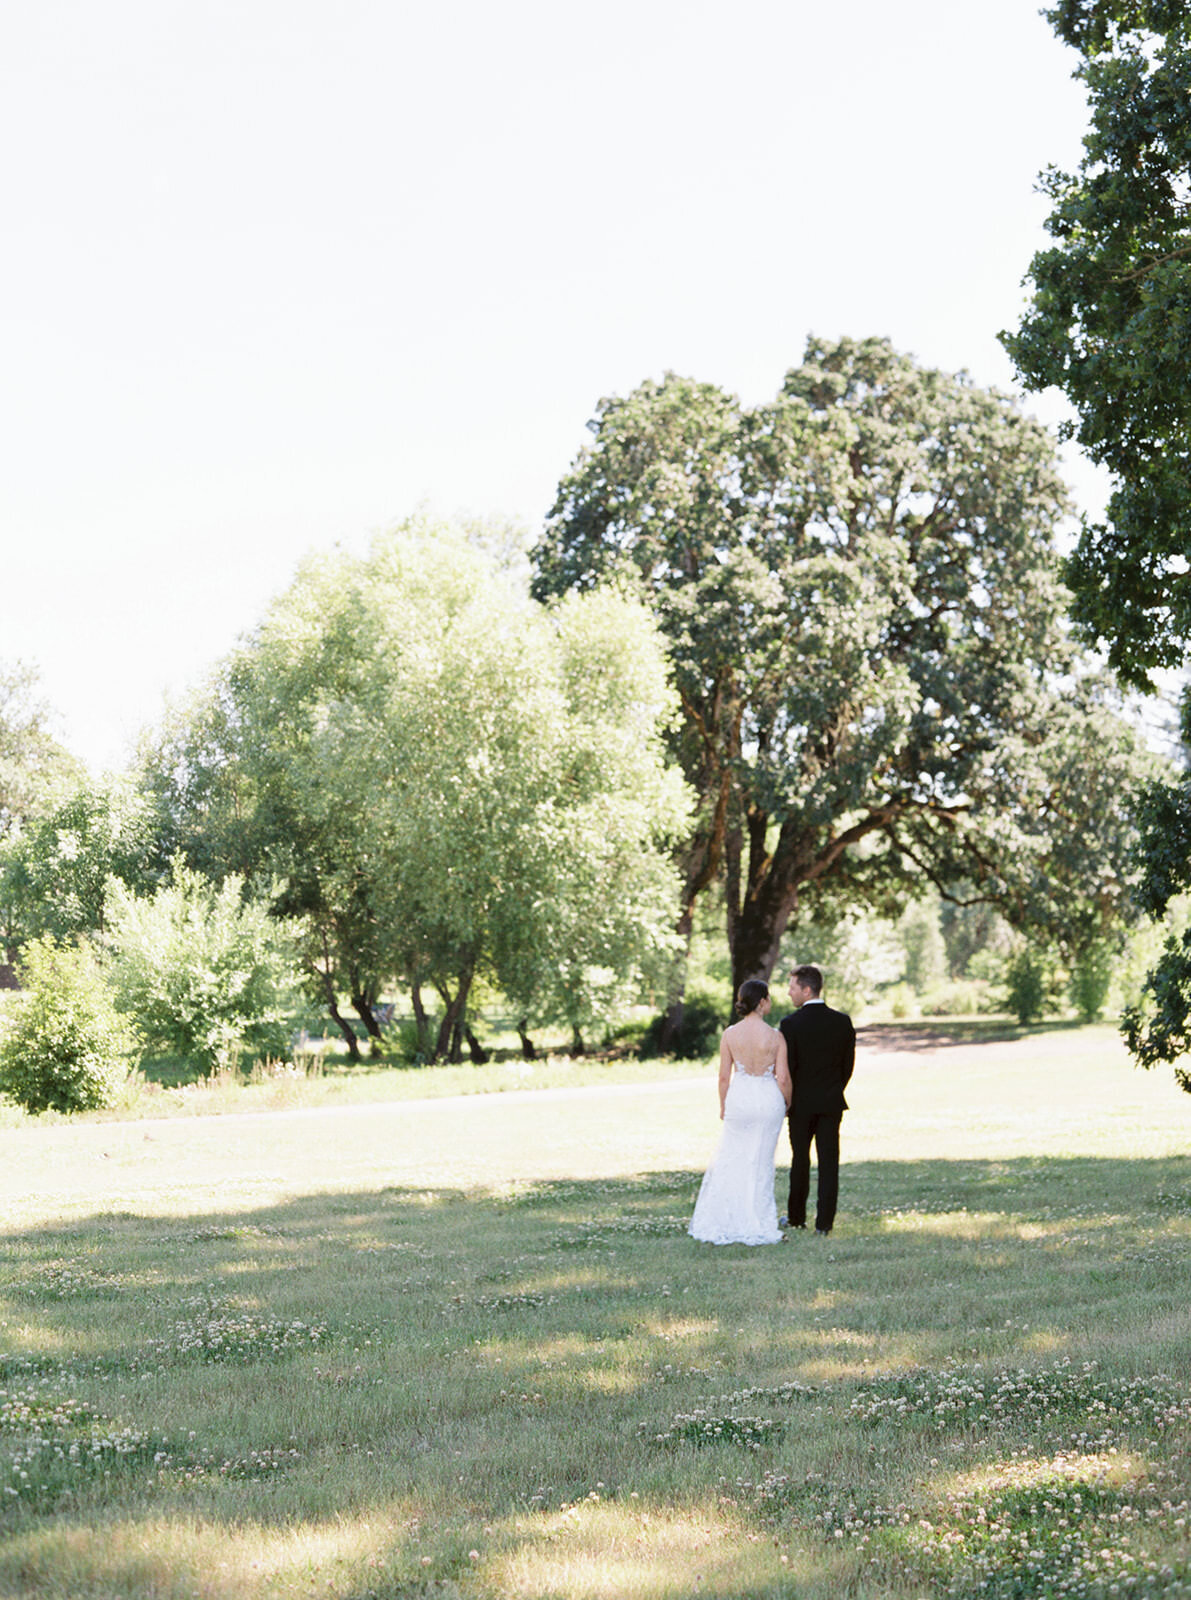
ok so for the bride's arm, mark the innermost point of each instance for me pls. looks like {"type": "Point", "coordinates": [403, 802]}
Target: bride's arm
{"type": "Point", "coordinates": [725, 1071]}
{"type": "Point", "coordinates": [781, 1071]}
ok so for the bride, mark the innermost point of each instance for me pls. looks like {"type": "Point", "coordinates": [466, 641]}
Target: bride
{"type": "Point", "coordinates": [736, 1203]}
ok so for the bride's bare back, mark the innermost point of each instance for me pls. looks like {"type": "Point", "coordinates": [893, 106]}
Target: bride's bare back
{"type": "Point", "coordinates": [756, 1048]}
{"type": "Point", "coordinates": [753, 1044]}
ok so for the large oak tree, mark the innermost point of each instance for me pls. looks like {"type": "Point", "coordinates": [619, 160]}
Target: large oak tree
{"type": "Point", "coordinates": [858, 584]}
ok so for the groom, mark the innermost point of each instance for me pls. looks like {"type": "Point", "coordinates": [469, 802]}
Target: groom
{"type": "Point", "coordinates": [821, 1047]}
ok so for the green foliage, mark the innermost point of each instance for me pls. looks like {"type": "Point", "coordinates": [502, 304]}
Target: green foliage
{"type": "Point", "coordinates": [988, 965]}
{"type": "Point", "coordinates": [204, 972]}
{"type": "Point", "coordinates": [33, 771]}
{"type": "Point", "coordinates": [57, 870]}
{"type": "Point", "coordinates": [63, 1045]}
{"type": "Point", "coordinates": [1071, 797]}
{"type": "Point", "coordinates": [860, 954]}
{"type": "Point", "coordinates": [1164, 843]}
{"type": "Point", "coordinates": [1140, 950]}
{"type": "Point", "coordinates": [1025, 983]}
{"type": "Point", "coordinates": [406, 1042]}
{"type": "Point", "coordinates": [900, 1001]}
{"type": "Point", "coordinates": [976, 935]}
{"type": "Point", "coordinates": [1090, 981]}
{"type": "Point", "coordinates": [859, 589]}
{"type": "Point", "coordinates": [1093, 25]}
{"type": "Point", "coordinates": [449, 782]}
{"type": "Point", "coordinates": [1156, 1024]}
{"type": "Point", "coordinates": [704, 1018]}
{"type": "Point", "coordinates": [922, 940]}
{"type": "Point", "coordinates": [1158, 1027]}
{"type": "Point", "coordinates": [1109, 323]}
{"type": "Point", "coordinates": [32, 765]}
{"type": "Point", "coordinates": [956, 999]}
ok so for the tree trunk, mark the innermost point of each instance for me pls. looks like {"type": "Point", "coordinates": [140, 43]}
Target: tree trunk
{"type": "Point", "coordinates": [450, 1030]}
{"type": "Point", "coordinates": [774, 881]}
{"type": "Point", "coordinates": [340, 1021]}
{"type": "Point", "coordinates": [528, 1052]}
{"type": "Point", "coordinates": [717, 727]}
{"type": "Point", "coordinates": [363, 1009]}
{"type": "Point", "coordinates": [759, 933]}
{"type": "Point", "coordinates": [421, 1020]}
{"type": "Point", "coordinates": [672, 1019]}
{"type": "Point", "coordinates": [474, 1048]}
{"type": "Point", "coordinates": [762, 893]}
{"type": "Point", "coordinates": [578, 1048]}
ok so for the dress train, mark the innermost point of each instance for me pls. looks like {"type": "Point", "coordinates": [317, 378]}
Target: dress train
{"type": "Point", "coordinates": [736, 1202]}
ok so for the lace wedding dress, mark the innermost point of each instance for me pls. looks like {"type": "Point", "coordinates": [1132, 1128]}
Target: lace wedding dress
{"type": "Point", "coordinates": [736, 1204]}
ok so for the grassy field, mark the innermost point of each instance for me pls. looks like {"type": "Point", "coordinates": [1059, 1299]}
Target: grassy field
{"type": "Point", "coordinates": [462, 1346]}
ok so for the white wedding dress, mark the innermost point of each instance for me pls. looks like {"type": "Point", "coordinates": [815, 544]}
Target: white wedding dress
{"type": "Point", "coordinates": [736, 1203]}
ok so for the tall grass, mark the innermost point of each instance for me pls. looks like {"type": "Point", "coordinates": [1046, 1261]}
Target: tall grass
{"type": "Point", "coordinates": [444, 1349]}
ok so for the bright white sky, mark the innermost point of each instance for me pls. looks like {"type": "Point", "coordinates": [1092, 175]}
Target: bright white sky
{"type": "Point", "coordinates": [276, 271]}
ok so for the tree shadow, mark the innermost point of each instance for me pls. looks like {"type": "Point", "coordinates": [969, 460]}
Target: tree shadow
{"type": "Point", "coordinates": [623, 1237]}
{"type": "Point", "coordinates": [464, 1332]}
{"type": "Point", "coordinates": [927, 1034]}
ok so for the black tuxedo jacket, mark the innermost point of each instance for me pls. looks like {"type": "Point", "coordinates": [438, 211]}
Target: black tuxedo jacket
{"type": "Point", "coordinates": [821, 1049]}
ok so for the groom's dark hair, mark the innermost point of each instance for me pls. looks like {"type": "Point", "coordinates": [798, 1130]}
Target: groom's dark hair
{"type": "Point", "coordinates": [809, 978]}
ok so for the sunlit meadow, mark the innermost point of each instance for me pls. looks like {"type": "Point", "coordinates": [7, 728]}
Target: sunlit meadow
{"type": "Point", "coordinates": [464, 1347]}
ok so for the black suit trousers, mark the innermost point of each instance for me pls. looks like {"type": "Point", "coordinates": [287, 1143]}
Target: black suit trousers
{"type": "Point", "coordinates": [822, 1129]}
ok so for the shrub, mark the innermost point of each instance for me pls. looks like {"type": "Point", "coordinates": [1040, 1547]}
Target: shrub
{"type": "Point", "coordinates": [1026, 987]}
{"type": "Point", "coordinates": [406, 1043]}
{"type": "Point", "coordinates": [988, 966]}
{"type": "Point", "coordinates": [203, 972]}
{"type": "Point", "coordinates": [921, 939]}
{"type": "Point", "coordinates": [628, 1037]}
{"type": "Point", "coordinates": [958, 999]}
{"type": "Point", "coordinates": [900, 1001]}
{"type": "Point", "coordinates": [1090, 980]}
{"type": "Point", "coordinates": [703, 1020]}
{"type": "Point", "coordinates": [64, 1046]}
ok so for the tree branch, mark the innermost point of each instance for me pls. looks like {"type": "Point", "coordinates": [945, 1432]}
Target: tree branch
{"type": "Point", "coordinates": [1174, 255]}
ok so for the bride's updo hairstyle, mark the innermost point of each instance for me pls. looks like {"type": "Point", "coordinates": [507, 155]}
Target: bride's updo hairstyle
{"type": "Point", "coordinates": [750, 995]}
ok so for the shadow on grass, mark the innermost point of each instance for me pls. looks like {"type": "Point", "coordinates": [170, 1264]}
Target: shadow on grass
{"type": "Point", "coordinates": [579, 1257]}
{"type": "Point", "coordinates": [499, 1354]}
{"type": "Point", "coordinates": [940, 1033]}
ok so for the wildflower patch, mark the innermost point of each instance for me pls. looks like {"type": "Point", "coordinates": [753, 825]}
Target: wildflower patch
{"type": "Point", "coordinates": [1072, 1528]}
{"type": "Point", "coordinates": [235, 1336]}
{"type": "Point", "coordinates": [51, 1444]}
{"type": "Point", "coordinates": [726, 1419]}
{"type": "Point", "coordinates": [972, 1399]}
{"type": "Point", "coordinates": [55, 1447]}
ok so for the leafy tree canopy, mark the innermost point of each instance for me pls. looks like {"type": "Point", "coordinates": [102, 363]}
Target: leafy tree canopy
{"type": "Point", "coordinates": [33, 766]}
{"type": "Point", "coordinates": [1158, 1028]}
{"type": "Point", "coordinates": [858, 585]}
{"type": "Point", "coordinates": [1109, 323]}
{"type": "Point", "coordinates": [449, 779]}
{"type": "Point", "coordinates": [55, 875]}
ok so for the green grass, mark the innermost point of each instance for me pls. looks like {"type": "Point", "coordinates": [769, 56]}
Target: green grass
{"type": "Point", "coordinates": [173, 1086]}
{"type": "Point", "coordinates": [170, 1086]}
{"type": "Point", "coordinates": [466, 1349]}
